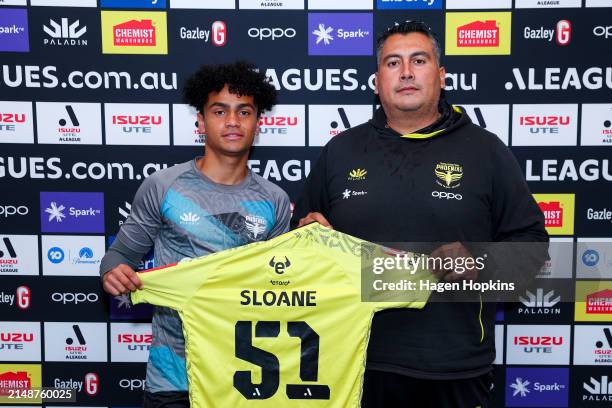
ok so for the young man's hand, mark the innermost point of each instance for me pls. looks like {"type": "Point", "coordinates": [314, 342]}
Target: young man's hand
{"type": "Point", "coordinates": [314, 217]}
{"type": "Point", "coordinates": [120, 280]}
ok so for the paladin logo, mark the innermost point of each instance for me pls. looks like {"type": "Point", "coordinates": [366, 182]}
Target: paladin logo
{"type": "Point", "coordinates": [539, 299]}
{"type": "Point", "coordinates": [279, 267]}
{"type": "Point", "coordinates": [520, 387]}
{"type": "Point", "coordinates": [135, 33]}
{"type": "Point", "coordinates": [64, 33]}
{"type": "Point", "coordinates": [256, 225]}
{"type": "Point", "coordinates": [357, 174]}
{"type": "Point", "coordinates": [448, 174]}
{"type": "Point", "coordinates": [599, 302]}
{"type": "Point", "coordinates": [600, 390]}
{"type": "Point", "coordinates": [189, 218]}
{"type": "Point", "coordinates": [478, 34]}
{"type": "Point", "coordinates": [124, 212]}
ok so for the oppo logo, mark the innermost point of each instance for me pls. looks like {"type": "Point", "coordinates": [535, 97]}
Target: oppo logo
{"type": "Point", "coordinates": [443, 195]}
{"type": "Point", "coordinates": [219, 33]}
{"type": "Point", "coordinates": [601, 31]}
{"type": "Point", "coordinates": [132, 384]}
{"type": "Point", "coordinates": [92, 384]}
{"type": "Point", "coordinates": [75, 298]}
{"type": "Point", "coordinates": [23, 294]}
{"type": "Point", "coordinates": [564, 32]}
{"type": "Point", "coordinates": [273, 33]}
{"type": "Point", "coordinates": [8, 210]}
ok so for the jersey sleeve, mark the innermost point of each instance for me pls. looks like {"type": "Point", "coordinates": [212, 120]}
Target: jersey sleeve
{"type": "Point", "coordinates": [283, 215]}
{"type": "Point", "coordinates": [173, 285]}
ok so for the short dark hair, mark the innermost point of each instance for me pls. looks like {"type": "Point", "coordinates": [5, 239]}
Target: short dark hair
{"type": "Point", "coordinates": [241, 78]}
{"type": "Point", "coordinates": [408, 27]}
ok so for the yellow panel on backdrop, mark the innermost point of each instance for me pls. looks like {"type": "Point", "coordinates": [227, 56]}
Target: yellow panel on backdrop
{"type": "Point", "coordinates": [129, 32]}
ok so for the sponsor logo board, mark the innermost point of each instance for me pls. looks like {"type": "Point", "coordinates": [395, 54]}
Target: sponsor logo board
{"type": "Point", "coordinates": [129, 32]}
{"type": "Point", "coordinates": [16, 122]}
{"type": "Point", "coordinates": [558, 212]}
{"type": "Point", "coordinates": [68, 123]}
{"type": "Point", "coordinates": [18, 255]}
{"type": "Point", "coordinates": [482, 33]}
{"type": "Point", "coordinates": [65, 255]}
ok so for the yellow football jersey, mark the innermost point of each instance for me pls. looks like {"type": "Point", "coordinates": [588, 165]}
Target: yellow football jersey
{"type": "Point", "coordinates": [279, 323]}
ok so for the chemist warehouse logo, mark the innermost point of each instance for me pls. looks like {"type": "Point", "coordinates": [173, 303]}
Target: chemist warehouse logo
{"type": "Point", "coordinates": [558, 212]}
{"type": "Point", "coordinates": [478, 33]}
{"type": "Point", "coordinates": [19, 377]}
{"type": "Point", "coordinates": [127, 32]}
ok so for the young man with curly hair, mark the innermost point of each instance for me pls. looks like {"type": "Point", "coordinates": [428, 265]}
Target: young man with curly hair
{"type": "Point", "coordinates": [205, 205]}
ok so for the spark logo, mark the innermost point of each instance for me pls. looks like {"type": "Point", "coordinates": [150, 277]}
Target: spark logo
{"type": "Point", "coordinates": [14, 30]}
{"type": "Point", "coordinates": [340, 33]}
{"type": "Point", "coordinates": [483, 33]}
{"type": "Point", "coordinates": [64, 33]}
{"type": "Point", "coordinates": [128, 32]}
{"type": "Point", "coordinates": [558, 212]}
{"type": "Point", "coordinates": [537, 387]}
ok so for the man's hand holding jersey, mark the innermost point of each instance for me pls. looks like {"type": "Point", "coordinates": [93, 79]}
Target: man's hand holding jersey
{"type": "Point", "coordinates": [121, 280]}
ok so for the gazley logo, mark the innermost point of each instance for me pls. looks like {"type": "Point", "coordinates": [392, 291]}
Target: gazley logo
{"type": "Point", "coordinates": [219, 33]}
{"type": "Point", "coordinates": [482, 33]}
{"type": "Point", "coordinates": [564, 32]}
{"type": "Point", "coordinates": [128, 32]}
{"type": "Point", "coordinates": [558, 210]}
{"type": "Point", "coordinates": [599, 302]}
{"type": "Point", "coordinates": [23, 297]}
{"type": "Point", "coordinates": [92, 384]}
{"type": "Point", "coordinates": [448, 174]}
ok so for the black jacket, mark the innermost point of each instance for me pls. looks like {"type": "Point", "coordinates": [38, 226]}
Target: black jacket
{"type": "Point", "coordinates": [452, 181]}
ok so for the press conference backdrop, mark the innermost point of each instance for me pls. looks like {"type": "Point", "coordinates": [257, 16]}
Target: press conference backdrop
{"type": "Point", "coordinates": [90, 105]}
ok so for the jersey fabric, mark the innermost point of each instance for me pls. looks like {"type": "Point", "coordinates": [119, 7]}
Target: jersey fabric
{"type": "Point", "coordinates": [274, 324]}
{"type": "Point", "coordinates": [183, 214]}
{"type": "Point", "coordinates": [452, 181]}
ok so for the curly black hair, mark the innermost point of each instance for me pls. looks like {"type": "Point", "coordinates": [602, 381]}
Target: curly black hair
{"type": "Point", "coordinates": [241, 78]}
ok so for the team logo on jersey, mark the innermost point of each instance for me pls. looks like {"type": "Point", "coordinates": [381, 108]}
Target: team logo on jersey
{"type": "Point", "coordinates": [357, 174]}
{"type": "Point", "coordinates": [256, 225]}
{"type": "Point", "coordinates": [449, 174]}
{"type": "Point", "coordinates": [279, 266]}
